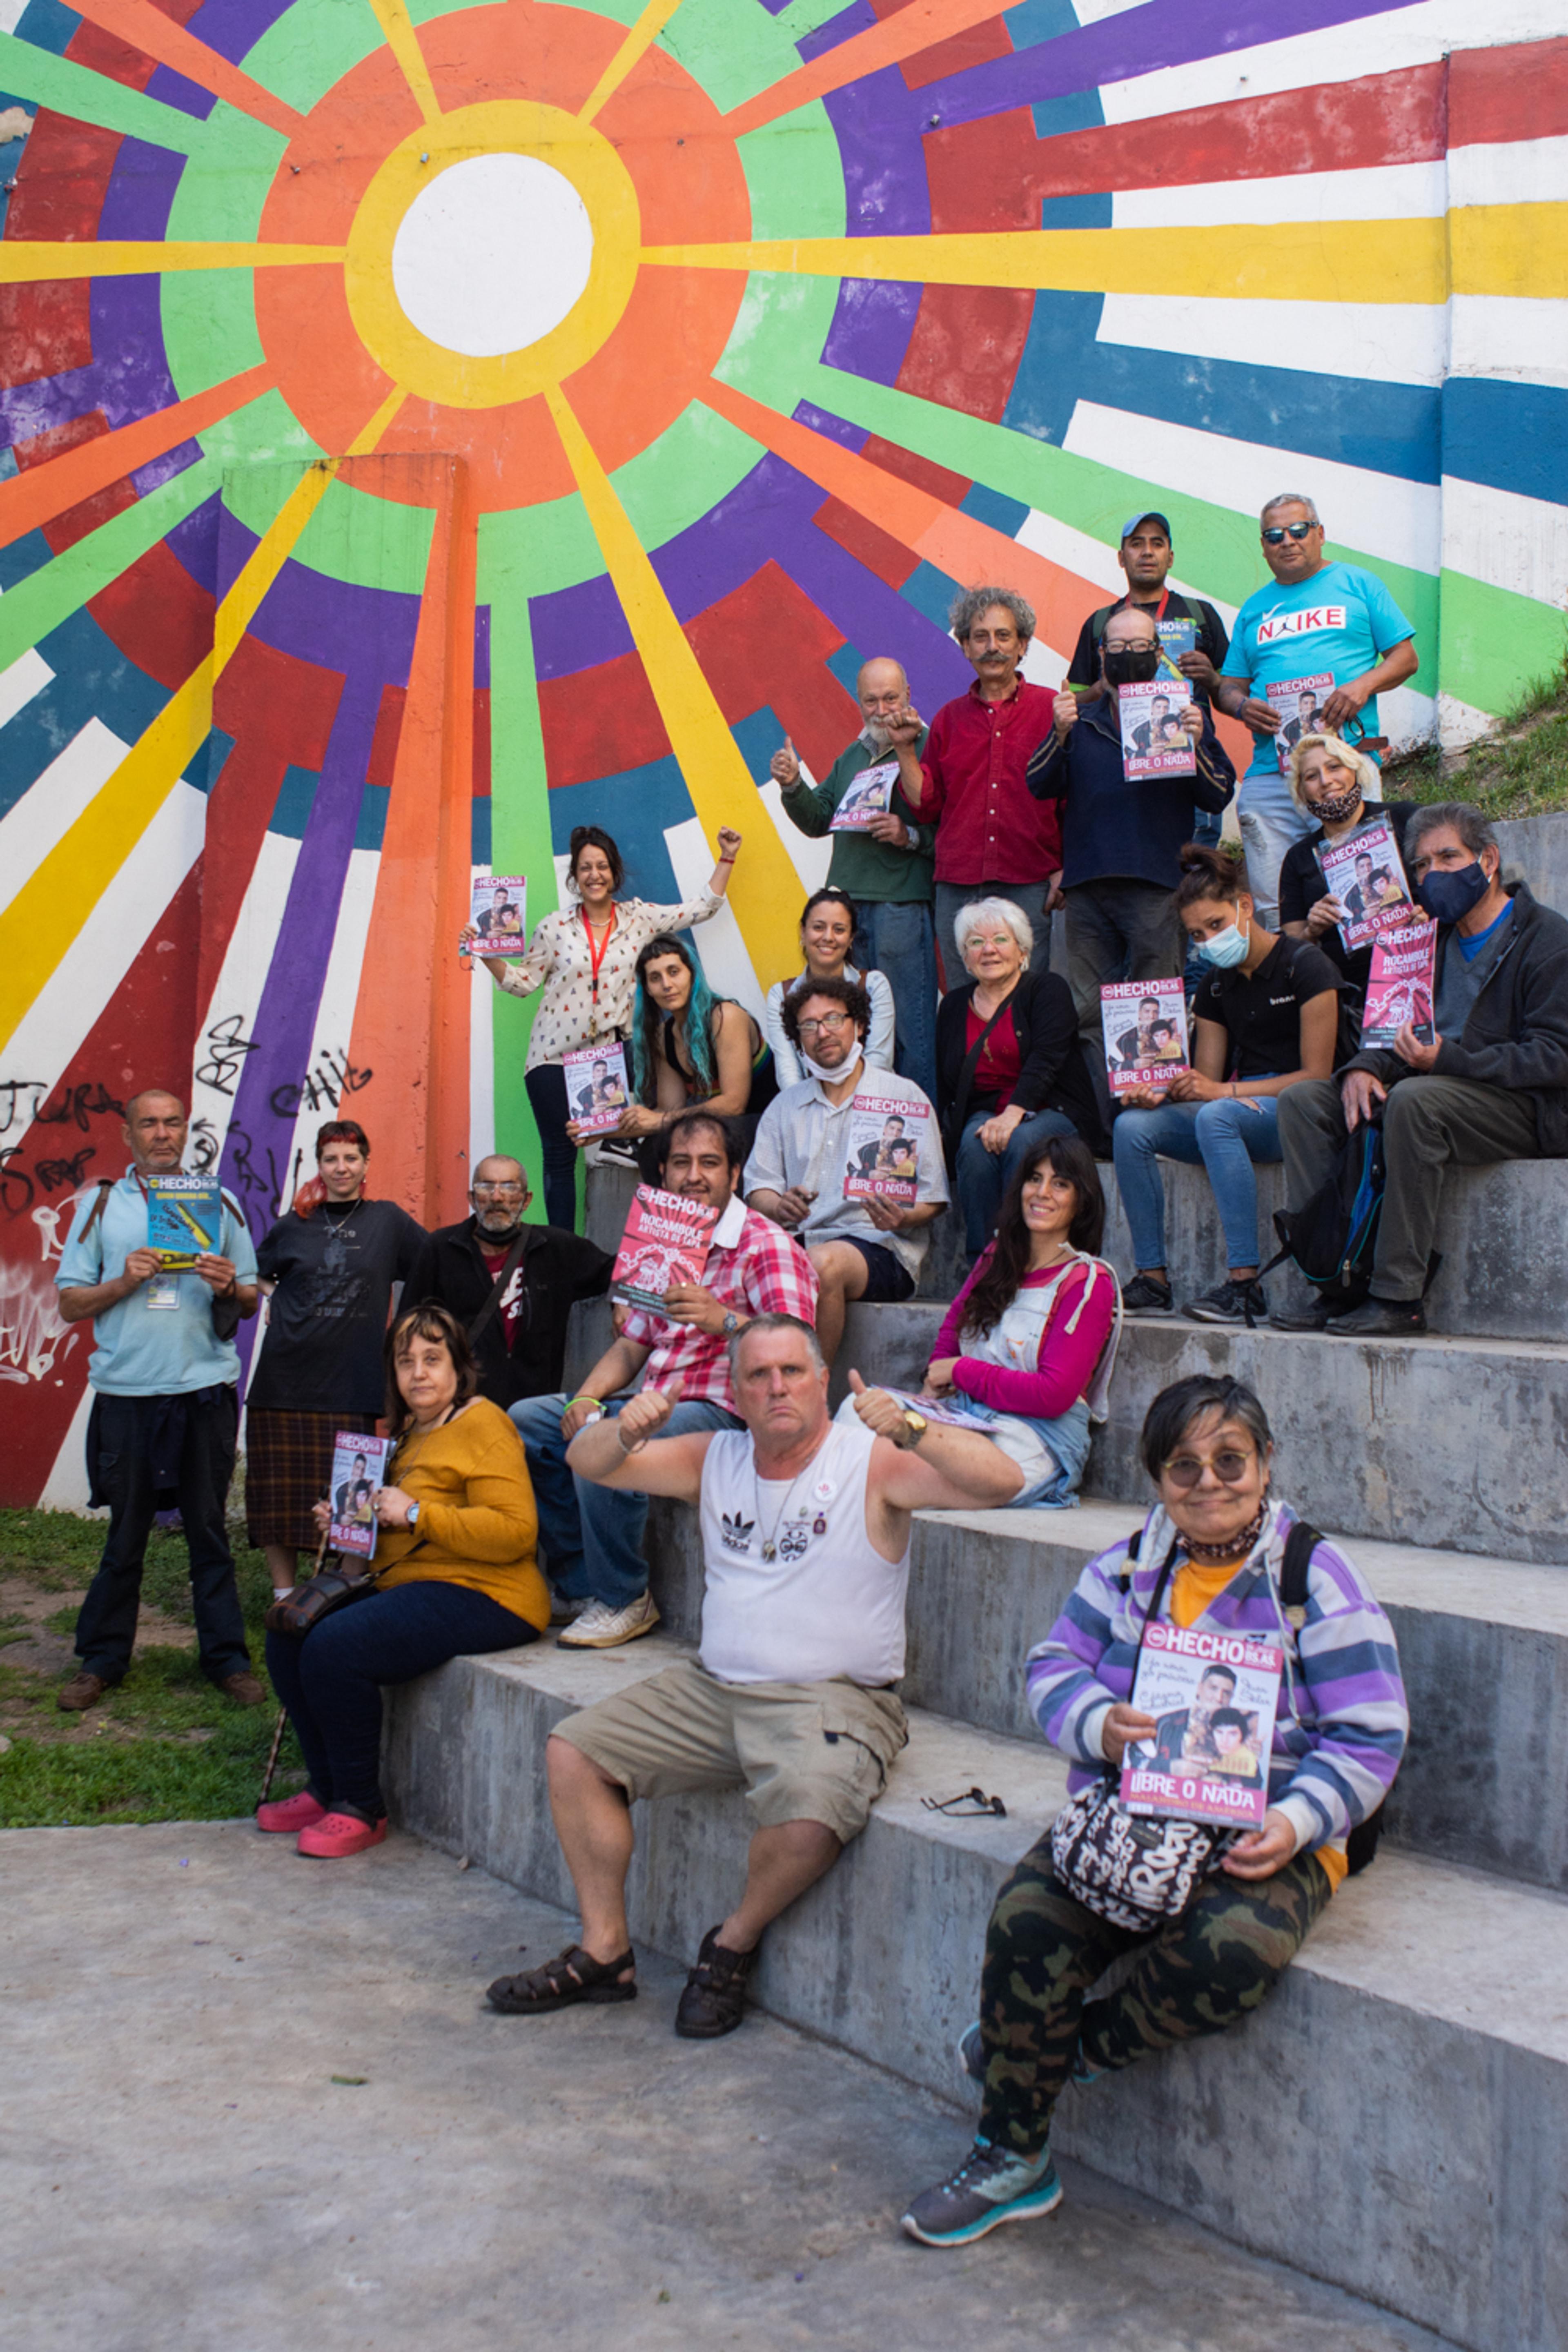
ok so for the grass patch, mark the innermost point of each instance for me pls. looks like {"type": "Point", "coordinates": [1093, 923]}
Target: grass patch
{"type": "Point", "coordinates": [1521, 771]}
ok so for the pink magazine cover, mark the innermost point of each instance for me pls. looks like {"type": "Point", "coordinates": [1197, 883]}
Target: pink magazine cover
{"type": "Point", "coordinates": [1364, 873]}
{"type": "Point", "coordinates": [359, 1468]}
{"type": "Point", "coordinates": [1214, 1697]}
{"type": "Point", "coordinates": [665, 1244]}
{"type": "Point", "coordinates": [869, 795]}
{"type": "Point", "coordinates": [1400, 989]}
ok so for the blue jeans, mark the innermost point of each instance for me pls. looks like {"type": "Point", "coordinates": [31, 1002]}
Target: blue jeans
{"type": "Point", "coordinates": [330, 1681]}
{"type": "Point", "coordinates": [593, 1535]}
{"type": "Point", "coordinates": [897, 939]}
{"type": "Point", "coordinates": [952, 897]}
{"type": "Point", "coordinates": [984, 1176]}
{"type": "Point", "coordinates": [1226, 1136]}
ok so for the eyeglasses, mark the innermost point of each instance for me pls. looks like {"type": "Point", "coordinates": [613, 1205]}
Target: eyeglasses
{"type": "Point", "coordinates": [498, 1191]}
{"type": "Point", "coordinates": [1276, 534]}
{"type": "Point", "coordinates": [831, 1021]}
{"type": "Point", "coordinates": [1230, 1468]}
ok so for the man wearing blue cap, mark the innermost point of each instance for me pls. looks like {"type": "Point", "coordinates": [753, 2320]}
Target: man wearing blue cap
{"type": "Point", "coordinates": [1146, 556]}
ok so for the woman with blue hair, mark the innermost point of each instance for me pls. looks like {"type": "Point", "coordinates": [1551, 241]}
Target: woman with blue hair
{"type": "Point", "coordinates": [687, 1046]}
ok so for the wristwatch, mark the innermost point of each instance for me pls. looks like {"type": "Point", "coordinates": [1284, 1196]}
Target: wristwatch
{"type": "Point", "coordinates": [413, 1517]}
{"type": "Point", "coordinates": [731, 1324]}
{"type": "Point", "coordinates": [915, 1426]}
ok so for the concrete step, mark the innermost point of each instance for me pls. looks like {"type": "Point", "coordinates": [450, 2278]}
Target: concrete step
{"type": "Point", "coordinates": [1483, 1644]}
{"type": "Point", "coordinates": [1390, 2122]}
{"type": "Point", "coordinates": [1455, 1445]}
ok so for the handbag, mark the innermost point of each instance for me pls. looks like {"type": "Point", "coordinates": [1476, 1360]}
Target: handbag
{"type": "Point", "coordinates": [296, 1611]}
{"type": "Point", "coordinates": [1135, 1871]}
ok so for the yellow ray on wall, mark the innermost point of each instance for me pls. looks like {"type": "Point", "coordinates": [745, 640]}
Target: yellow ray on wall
{"type": "Point", "coordinates": [24, 261]}
{"type": "Point", "coordinates": [395, 22]}
{"type": "Point", "coordinates": [641, 37]}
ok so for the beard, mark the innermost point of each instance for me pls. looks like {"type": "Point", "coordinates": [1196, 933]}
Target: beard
{"type": "Point", "coordinates": [876, 735]}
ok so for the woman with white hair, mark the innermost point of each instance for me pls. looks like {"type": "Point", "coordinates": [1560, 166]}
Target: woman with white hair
{"type": "Point", "coordinates": [1338, 790]}
{"type": "Point", "coordinates": [1009, 1068]}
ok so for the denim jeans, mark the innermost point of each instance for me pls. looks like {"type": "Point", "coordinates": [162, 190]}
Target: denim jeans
{"type": "Point", "coordinates": [896, 939]}
{"type": "Point", "coordinates": [952, 897]}
{"type": "Point", "coordinates": [593, 1535]}
{"type": "Point", "coordinates": [1226, 1136]}
{"type": "Point", "coordinates": [547, 1101]}
{"type": "Point", "coordinates": [330, 1681]}
{"type": "Point", "coordinates": [984, 1176]}
{"type": "Point", "coordinates": [106, 1627]}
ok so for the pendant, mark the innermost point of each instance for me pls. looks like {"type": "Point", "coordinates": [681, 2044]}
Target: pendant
{"type": "Point", "coordinates": [770, 1551]}
{"type": "Point", "coordinates": [820, 1525]}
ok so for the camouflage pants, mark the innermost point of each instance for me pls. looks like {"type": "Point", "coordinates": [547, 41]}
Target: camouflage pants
{"type": "Point", "coordinates": [1197, 1974]}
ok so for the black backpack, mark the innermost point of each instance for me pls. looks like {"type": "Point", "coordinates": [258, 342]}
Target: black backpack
{"type": "Point", "coordinates": [1361, 1846]}
{"type": "Point", "coordinates": [1331, 1237]}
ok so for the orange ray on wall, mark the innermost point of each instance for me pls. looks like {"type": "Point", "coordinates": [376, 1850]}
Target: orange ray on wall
{"type": "Point", "coordinates": [156, 36]}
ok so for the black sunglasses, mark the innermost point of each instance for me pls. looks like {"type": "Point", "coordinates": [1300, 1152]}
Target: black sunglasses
{"type": "Point", "coordinates": [1276, 534]}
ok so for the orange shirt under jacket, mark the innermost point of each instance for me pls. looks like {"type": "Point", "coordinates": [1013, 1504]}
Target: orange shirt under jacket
{"type": "Point", "coordinates": [477, 1524]}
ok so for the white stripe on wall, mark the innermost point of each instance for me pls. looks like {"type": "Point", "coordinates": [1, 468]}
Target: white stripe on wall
{"type": "Point", "coordinates": [726, 960]}
{"type": "Point", "coordinates": [52, 803]}
{"type": "Point", "coordinates": [1386, 343]}
{"type": "Point", "coordinates": [1509, 172]}
{"type": "Point", "coordinates": [236, 998]}
{"type": "Point", "coordinates": [1510, 337]}
{"type": "Point", "coordinates": [1509, 541]}
{"type": "Point", "coordinates": [26, 676]}
{"type": "Point", "coordinates": [1379, 192]}
{"type": "Point", "coordinates": [335, 1014]}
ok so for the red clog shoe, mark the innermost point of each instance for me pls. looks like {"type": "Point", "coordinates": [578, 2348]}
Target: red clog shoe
{"type": "Point", "coordinates": [290, 1813]}
{"type": "Point", "coordinates": [336, 1835]}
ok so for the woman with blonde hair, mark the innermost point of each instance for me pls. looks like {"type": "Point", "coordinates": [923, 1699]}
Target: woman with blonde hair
{"type": "Point", "coordinates": [1338, 790]}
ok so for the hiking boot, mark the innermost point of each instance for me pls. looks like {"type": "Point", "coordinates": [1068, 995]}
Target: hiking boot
{"type": "Point", "coordinates": [82, 1691]}
{"type": "Point", "coordinates": [991, 2186]}
{"type": "Point", "coordinates": [1144, 1295]}
{"type": "Point", "coordinates": [1230, 1302]}
{"type": "Point", "coordinates": [1381, 1318]}
{"type": "Point", "coordinates": [714, 1999]}
{"type": "Point", "coordinates": [244, 1688]}
{"type": "Point", "coordinates": [600, 1627]}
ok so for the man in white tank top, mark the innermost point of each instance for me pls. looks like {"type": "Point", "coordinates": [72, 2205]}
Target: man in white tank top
{"type": "Point", "coordinates": [805, 1539]}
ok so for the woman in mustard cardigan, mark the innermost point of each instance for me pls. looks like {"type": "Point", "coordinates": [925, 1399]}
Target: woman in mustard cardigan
{"type": "Point", "coordinates": [456, 1575]}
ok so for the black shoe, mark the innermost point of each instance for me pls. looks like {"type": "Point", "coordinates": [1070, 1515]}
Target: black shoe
{"type": "Point", "coordinates": [1230, 1302]}
{"type": "Point", "coordinates": [1314, 1318]}
{"type": "Point", "coordinates": [1144, 1295]}
{"type": "Point", "coordinates": [714, 1999]}
{"type": "Point", "coordinates": [1381, 1318]}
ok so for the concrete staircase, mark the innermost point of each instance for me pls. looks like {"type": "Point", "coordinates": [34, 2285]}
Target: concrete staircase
{"type": "Point", "coordinates": [1394, 2120]}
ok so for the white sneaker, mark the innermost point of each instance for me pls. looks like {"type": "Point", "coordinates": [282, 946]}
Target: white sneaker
{"type": "Point", "coordinates": [600, 1627]}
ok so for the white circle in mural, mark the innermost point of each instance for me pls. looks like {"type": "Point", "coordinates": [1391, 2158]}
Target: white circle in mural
{"type": "Point", "coordinates": [493, 255]}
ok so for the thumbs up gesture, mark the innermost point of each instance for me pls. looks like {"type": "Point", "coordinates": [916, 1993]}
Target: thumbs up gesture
{"type": "Point", "coordinates": [784, 767]}
{"type": "Point", "coordinates": [882, 1414]}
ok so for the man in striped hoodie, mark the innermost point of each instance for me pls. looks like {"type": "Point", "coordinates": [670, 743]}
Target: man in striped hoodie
{"type": "Point", "coordinates": [1338, 1738]}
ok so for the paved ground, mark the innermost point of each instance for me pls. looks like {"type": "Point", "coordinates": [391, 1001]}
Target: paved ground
{"type": "Point", "coordinates": [178, 2167]}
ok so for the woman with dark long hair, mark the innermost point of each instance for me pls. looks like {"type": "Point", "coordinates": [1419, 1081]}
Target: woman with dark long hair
{"type": "Point", "coordinates": [1029, 1344]}
{"type": "Point", "coordinates": [687, 1046]}
{"type": "Point", "coordinates": [827, 936]}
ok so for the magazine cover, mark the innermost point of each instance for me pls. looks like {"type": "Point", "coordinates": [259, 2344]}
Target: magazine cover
{"type": "Point", "coordinates": [1153, 741]}
{"type": "Point", "coordinates": [664, 1242]}
{"type": "Point", "coordinates": [1176, 638]}
{"type": "Point", "coordinates": [359, 1467]}
{"type": "Point", "coordinates": [597, 1087]}
{"type": "Point", "coordinates": [869, 795]}
{"type": "Point", "coordinates": [500, 914]}
{"type": "Point", "coordinates": [1144, 1025]}
{"type": "Point", "coordinates": [1300, 702]}
{"type": "Point", "coordinates": [935, 1408]}
{"type": "Point", "coordinates": [184, 1219]}
{"type": "Point", "coordinates": [1401, 988]}
{"type": "Point", "coordinates": [1364, 874]}
{"type": "Point", "coordinates": [1213, 1696]}
{"type": "Point", "coordinates": [884, 1148]}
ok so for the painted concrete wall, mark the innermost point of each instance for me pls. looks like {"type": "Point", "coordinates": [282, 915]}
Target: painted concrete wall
{"type": "Point", "coordinates": [429, 427]}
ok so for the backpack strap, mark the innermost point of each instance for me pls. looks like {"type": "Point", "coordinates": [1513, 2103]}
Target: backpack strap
{"type": "Point", "coordinates": [1300, 1545]}
{"type": "Point", "coordinates": [105, 1186]}
{"type": "Point", "coordinates": [1134, 1545]}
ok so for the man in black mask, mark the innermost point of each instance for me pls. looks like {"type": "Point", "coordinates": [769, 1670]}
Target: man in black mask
{"type": "Point", "coordinates": [1493, 1085]}
{"type": "Point", "coordinates": [511, 1285]}
{"type": "Point", "coordinates": [1122, 842]}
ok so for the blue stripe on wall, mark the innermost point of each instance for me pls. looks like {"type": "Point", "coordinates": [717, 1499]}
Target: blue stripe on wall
{"type": "Point", "coordinates": [1511, 437]}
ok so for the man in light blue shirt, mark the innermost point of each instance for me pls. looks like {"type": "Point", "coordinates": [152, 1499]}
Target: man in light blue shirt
{"type": "Point", "coordinates": [1318, 622]}
{"type": "Point", "coordinates": [164, 1371]}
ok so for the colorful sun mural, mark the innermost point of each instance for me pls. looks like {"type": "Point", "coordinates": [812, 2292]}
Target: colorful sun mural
{"type": "Point", "coordinates": [427, 427]}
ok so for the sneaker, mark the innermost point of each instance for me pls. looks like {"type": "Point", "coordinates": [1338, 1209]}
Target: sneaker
{"type": "Point", "coordinates": [1230, 1302]}
{"type": "Point", "coordinates": [969, 2052]}
{"type": "Point", "coordinates": [1144, 1295]}
{"type": "Point", "coordinates": [600, 1627]}
{"type": "Point", "coordinates": [289, 1815]}
{"type": "Point", "coordinates": [337, 1835]}
{"type": "Point", "coordinates": [1381, 1318]}
{"type": "Point", "coordinates": [1314, 1316]}
{"type": "Point", "coordinates": [991, 2186]}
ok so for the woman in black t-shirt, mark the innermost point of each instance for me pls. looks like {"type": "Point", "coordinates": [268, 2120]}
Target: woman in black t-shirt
{"type": "Point", "coordinates": [1266, 1017]}
{"type": "Point", "coordinates": [1329, 784]}
{"type": "Point", "coordinates": [328, 1267]}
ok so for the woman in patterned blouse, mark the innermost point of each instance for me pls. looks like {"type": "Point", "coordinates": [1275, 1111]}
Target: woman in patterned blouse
{"type": "Point", "coordinates": [584, 958]}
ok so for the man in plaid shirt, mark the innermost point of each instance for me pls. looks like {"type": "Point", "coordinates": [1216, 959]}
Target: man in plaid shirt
{"type": "Point", "coordinates": [593, 1535]}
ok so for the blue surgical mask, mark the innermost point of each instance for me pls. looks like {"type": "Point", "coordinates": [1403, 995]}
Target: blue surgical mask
{"type": "Point", "coordinates": [1226, 949]}
{"type": "Point", "coordinates": [1449, 897]}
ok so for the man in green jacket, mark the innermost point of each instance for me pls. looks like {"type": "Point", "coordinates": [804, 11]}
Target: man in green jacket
{"type": "Point", "coordinates": [886, 865]}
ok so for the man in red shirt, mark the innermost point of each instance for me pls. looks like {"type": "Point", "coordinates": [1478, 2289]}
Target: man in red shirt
{"type": "Point", "coordinates": [993, 840]}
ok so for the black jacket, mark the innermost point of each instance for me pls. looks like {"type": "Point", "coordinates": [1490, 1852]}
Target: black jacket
{"type": "Point", "coordinates": [557, 1269]}
{"type": "Point", "coordinates": [1517, 1034]}
{"type": "Point", "coordinates": [1052, 1075]}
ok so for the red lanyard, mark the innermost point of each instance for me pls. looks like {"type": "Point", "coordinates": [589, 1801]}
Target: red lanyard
{"type": "Point", "coordinates": [1127, 605]}
{"type": "Point", "coordinates": [596, 954]}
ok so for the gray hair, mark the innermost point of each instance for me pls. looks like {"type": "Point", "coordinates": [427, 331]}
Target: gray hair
{"type": "Point", "coordinates": [773, 1322]}
{"type": "Point", "coordinates": [1291, 499]}
{"type": "Point", "coordinates": [1463, 815]}
{"type": "Point", "coordinates": [1366, 771]}
{"type": "Point", "coordinates": [966, 609]}
{"type": "Point", "coordinates": [992, 910]}
{"type": "Point", "coordinates": [145, 1094]}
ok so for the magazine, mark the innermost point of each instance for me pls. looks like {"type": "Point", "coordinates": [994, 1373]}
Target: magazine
{"type": "Point", "coordinates": [359, 1468]}
{"type": "Point", "coordinates": [956, 1414]}
{"type": "Point", "coordinates": [664, 1242]}
{"type": "Point", "coordinates": [597, 1087]}
{"type": "Point", "coordinates": [1176, 638]}
{"type": "Point", "coordinates": [500, 914]}
{"type": "Point", "coordinates": [1364, 874]}
{"type": "Point", "coordinates": [1300, 702]}
{"type": "Point", "coordinates": [1144, 1026]}
{"type": "Point", "coordinates": [184, 1219]}
{"type": "Point", "coordinates": [1153, 741]}
{"type": "Point", "coordinates": [868, 794]}
{"type": "Point", "coordinates": [1402, 986]}
{"type": "Point", "coordinates": [883, 1152]}
{"type": "Point", "coordinates": [1213, 1698]}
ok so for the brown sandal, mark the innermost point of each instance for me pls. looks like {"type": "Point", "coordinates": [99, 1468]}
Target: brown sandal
{"type": "Point", "coordinates": [572, 1976]}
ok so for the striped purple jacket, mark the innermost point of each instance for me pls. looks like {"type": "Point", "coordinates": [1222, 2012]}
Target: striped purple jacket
{"type": "Point", "coordinates": [1343, 1721]}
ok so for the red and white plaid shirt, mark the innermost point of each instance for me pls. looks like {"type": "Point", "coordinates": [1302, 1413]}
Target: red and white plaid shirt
{"type": "Point", "coordinates": [753, 1266]}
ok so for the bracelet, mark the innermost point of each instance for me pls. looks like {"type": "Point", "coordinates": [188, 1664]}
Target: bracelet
{"type": "Point", "coordinates": [584, 1398]}
{"type": "Point", "coordinates": [620, 1441]}
{"type": "Point", "coordinates": [726, 861]}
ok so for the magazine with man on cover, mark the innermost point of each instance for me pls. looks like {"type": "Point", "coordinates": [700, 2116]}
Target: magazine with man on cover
{"type": "Point", "coordinates": [500, 914]}
{"type": "Point", "coordinates": [1144, 1025]}
{"type": "Point", "coordinates": [869, 795]}
{"type": "Point", "coordinates": [1153, 741]}
{"type": "Point", "coordinates": [359, 1468]}
{"type": "Point", "coordinates": [884, 1148]}
{"type": "Point", "coordinates": [596, 1087]}
{"type": "Point", "coordinates": [665, 1245]}
{"type": "Point", "coordinates": [1363, 872]}
{"type": "Point", "coordinates": [1300, 702]}
{"type": "Point", "coordinates": [1212, 1698]}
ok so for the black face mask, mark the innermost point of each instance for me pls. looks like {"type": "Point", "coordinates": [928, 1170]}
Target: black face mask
{"type": "Point", "coordinates": [1131, 665]}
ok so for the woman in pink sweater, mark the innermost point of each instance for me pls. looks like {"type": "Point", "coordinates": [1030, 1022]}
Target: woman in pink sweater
{"type": "Point", "coordinates": [1029, 1343]}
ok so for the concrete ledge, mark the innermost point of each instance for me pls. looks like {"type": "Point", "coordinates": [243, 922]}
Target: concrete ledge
{"type": "Point", "coordinates": [1425, 2025]}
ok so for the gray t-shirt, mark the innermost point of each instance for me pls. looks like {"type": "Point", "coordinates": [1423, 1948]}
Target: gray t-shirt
{"type": "Point", "coordinates": [1464, 977]}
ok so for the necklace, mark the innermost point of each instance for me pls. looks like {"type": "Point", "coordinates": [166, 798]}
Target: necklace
{"type": "Point", "coordinates": [416, 1439]}
{"type": "Point", "coordinates": [1234, 1547]}
{"type": "Point", "coordinates": [769, 1538]}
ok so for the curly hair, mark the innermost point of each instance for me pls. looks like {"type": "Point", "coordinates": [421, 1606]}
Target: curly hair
{"type": "Point", "coordinates": [966, 609]}
{"type": "Point", "coordinates": [847, 993]}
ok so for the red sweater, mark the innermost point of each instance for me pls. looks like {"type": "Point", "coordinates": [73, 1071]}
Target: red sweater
{"type": "Point", "coordinates": [1066, 1363]}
